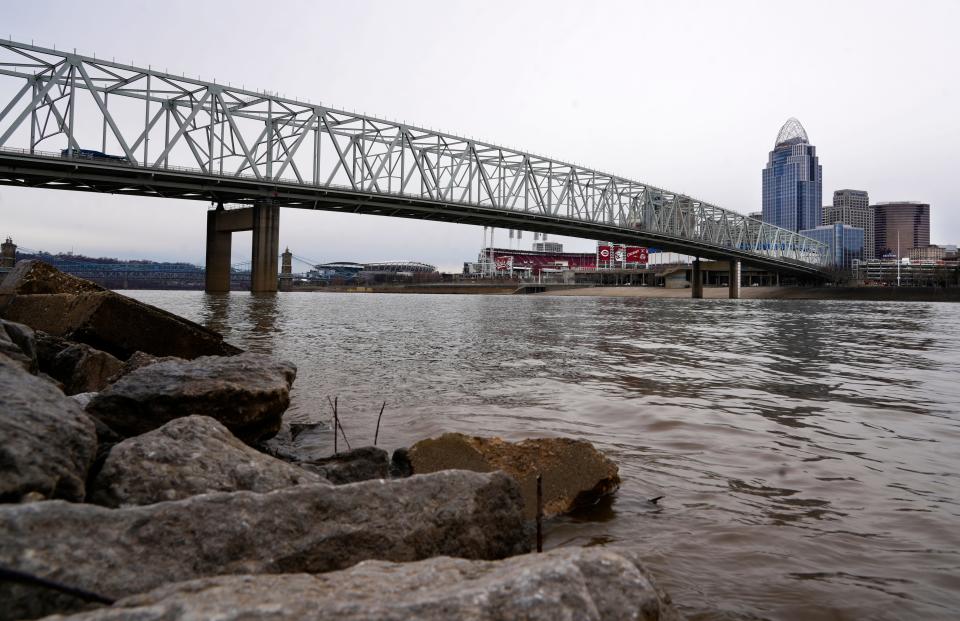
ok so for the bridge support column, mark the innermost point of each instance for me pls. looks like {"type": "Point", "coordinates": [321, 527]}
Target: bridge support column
{"type": "Point", "coordinates": [696, 280]}
{"type": "Point", "coordinates": [266, 248]}
{"type": "Point", "coordinates": [734, 280]}
{"type": "Point", "coordinates": [217, 276]}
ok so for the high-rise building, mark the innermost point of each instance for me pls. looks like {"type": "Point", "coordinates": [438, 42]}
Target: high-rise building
{"type": "Point", "coordinates": [851, 198]}
{"type": "Point", "coordinates": [792, 181]}
{"type": "Point", "coordinates": [853, 207]}
{"type": "Point", "coordinates": [905, 224]}
{"type": "Point", "coordinates": [845, 242]}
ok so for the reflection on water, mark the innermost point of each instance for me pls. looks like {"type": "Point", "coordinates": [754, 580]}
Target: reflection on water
{"type": "Point", "coordinates": [807, 451]}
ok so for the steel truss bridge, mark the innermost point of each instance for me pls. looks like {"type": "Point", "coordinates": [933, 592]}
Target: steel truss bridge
{"type": "Point", "coordinates": [76, 122]}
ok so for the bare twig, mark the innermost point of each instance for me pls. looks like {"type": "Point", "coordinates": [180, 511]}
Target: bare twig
{"type": "Point", "coordinates": [377, 433]}
{"type": "Point", "coordinates": [344, 433]}
{"type": "Point", "coordinates": [539, 512]}
{"type": "Point", "coordinates": [336, 423]}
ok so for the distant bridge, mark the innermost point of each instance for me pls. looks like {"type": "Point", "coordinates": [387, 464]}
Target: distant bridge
{"type": "Point", "coordinates": [76, 122]}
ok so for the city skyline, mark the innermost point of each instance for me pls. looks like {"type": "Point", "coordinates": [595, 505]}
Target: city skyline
{"type": "Point", "coordinates": [896, 148]}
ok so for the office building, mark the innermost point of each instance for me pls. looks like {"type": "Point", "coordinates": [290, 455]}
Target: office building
{"type": "Point", "coordinates": [853, 207]}
{"type": "Point", "coordinates": [792, 181]}
{"type": "Point", "coordinates": [904, 224]}
{"type": "Point", "coordinates": [845, 242]}
{"type": "Point", "coordinates": [928, 253]}
{"type": "Point", "coordinates": [851, 198]}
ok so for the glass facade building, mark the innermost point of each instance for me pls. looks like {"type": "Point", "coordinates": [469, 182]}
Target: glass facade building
{"type": "Point", "coordinates": [792, 181]}
{"type": "Point", "coordinates": [845, 242]}
{"type": "Point", "coordinates": [853, 207]}
{"type": "Point", "coordinates": [904, 224]}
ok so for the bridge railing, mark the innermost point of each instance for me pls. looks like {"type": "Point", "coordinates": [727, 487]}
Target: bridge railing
{"type": "Point", "coordinates": [84, 105]}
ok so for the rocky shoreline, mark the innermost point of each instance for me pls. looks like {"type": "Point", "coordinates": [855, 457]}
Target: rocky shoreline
{"type": "Point", "coordinates": [146, 473]}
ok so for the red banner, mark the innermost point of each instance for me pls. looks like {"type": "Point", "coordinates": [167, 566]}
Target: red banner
{"type": "Point", "coordinates": [605, 254]}
{"type": "Point", "coordinates": [504, 263]}
{"type": "Point", "coordinates": [636, 254]}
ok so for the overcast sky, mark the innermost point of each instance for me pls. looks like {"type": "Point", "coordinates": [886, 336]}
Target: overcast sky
{"type": "Point", "coordinates": [683, 95]}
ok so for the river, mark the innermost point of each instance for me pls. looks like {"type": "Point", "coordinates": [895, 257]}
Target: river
{"type": "Point", "coordinates": [807, 451]}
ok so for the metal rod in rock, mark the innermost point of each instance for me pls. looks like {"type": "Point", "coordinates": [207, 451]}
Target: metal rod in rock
{"type": "Point", "coordinates": [377, 433]}
{"type": "Point", "coordinates": [539, 512]}
{"type": "Point", "coordinates": [14, 575]}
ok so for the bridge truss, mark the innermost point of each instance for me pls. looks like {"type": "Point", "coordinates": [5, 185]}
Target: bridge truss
{"type": "Point", "coordinates": [78, 122]}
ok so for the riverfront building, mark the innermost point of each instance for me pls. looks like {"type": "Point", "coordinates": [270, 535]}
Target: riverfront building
{"type": "Point", "coordinates": [845, 242]}
{"type": "Point", "coordinates": [792, 181]}
{"type": "Point", "coordinates": [906, 221]}
{"type": "Point", "coordinates": [928, 254]}
{"type": "Point", "coordinates": [859, 199]}
{"type": "Point", "coordinates": [853, 207]}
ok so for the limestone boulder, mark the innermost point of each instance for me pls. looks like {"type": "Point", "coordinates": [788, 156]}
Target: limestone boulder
{"type": "Point", "coordinates": [115, 324]}
{"type": "Point", "coordinates": [36, 277]}
{"type": "Point", "coordinates": [83, 398]}
{"type": "Point", "coordinates": [248, 393]}
{"type": "Point", "coordinates": [47, 443]}
{"type": "Point", "coordinates": [588, 584]}
{"type": "Point", "coordinates": [575, 474]}
{"type": "Point", "coordinates": [18, 343]}
{"type": "Point", "coordinates": [360, 464]}
{"type": "Point", "coordinates": [136, 360]}
{"type": "Point", "coordinates": [302, 529]}
{"type": "Point", "coordinates": [81, 368]}
{"type": "Point", "coordinates": [189, 456]}
{"type": "Point", "coordinates": [48, 347]}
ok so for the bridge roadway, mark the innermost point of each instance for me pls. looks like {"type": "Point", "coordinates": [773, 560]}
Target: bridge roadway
{"type": "Point", "coordinates": [219, 144]}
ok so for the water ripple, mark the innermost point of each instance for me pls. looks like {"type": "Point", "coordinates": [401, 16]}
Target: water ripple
{"type": "Point", "coordinates": [806, 450]}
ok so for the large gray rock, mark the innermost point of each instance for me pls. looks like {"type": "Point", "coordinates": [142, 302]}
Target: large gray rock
{"type": "Point", "coordinates": [575, 474]}
{"type": "Point", "coordinates": [189, 456]}
{"type": "Point", "coordinates": [81, 368]}
{"type": "Point", "coordinates": [45, 299]}
{"type": "Point", "coordinates": [36, 277]}
{"type": "Point", "coordinates": [18, 343]}
{"type": "Point", "coordinates": [360, 464]}
{"type": "Point", "coordinates": [586, 584]}
{"type": "Point", "coordinates": [136, 361]}
{"type": "Point", "coordinates": [46, 441]}
{"type": "Point", "coordinates": [302, 529]}
{"type": "Point", "coordinates": [247, 393]}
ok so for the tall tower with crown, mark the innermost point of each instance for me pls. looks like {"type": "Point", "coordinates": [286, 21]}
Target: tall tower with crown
{"type": "Point", "coordinates": [792, 181]}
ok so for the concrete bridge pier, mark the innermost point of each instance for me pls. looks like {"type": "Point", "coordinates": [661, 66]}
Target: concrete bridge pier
{"type": "Point", "coordinates": [696, 280]}
{"type": "Point", "coordinates": [266, 248]}
{"type": "Point", "coordinates": [219, 242]}
{"type": "Point", "coordinates": [264, 220]}
{"type": "Point", "coordinates": [734, 280]}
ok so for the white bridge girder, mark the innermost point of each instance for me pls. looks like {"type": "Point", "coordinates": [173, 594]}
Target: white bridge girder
{"type": "Point", "coordinates": [52, 100]}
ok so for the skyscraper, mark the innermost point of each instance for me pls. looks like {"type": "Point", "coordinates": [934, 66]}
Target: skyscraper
{"type": "Point", "coordinates": [792, 185]}
{"type": "Point", "coordinates": [853, 207]}
{"type": "Point", "coordinates": [907, 221]}
{"type": "Point", "coordinates": [851, 198]}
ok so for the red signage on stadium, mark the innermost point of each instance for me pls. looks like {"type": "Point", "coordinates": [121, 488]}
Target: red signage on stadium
{"type": "Point", "coordinates": [605, 253]}
{"type": "Point", "coordinates": [636, 254]}
{"type": "Point", "coordinates": [504, 263]}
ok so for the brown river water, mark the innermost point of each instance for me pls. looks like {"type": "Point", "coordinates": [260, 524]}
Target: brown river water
{"type": "Point", "coordinates": [807, 451]}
